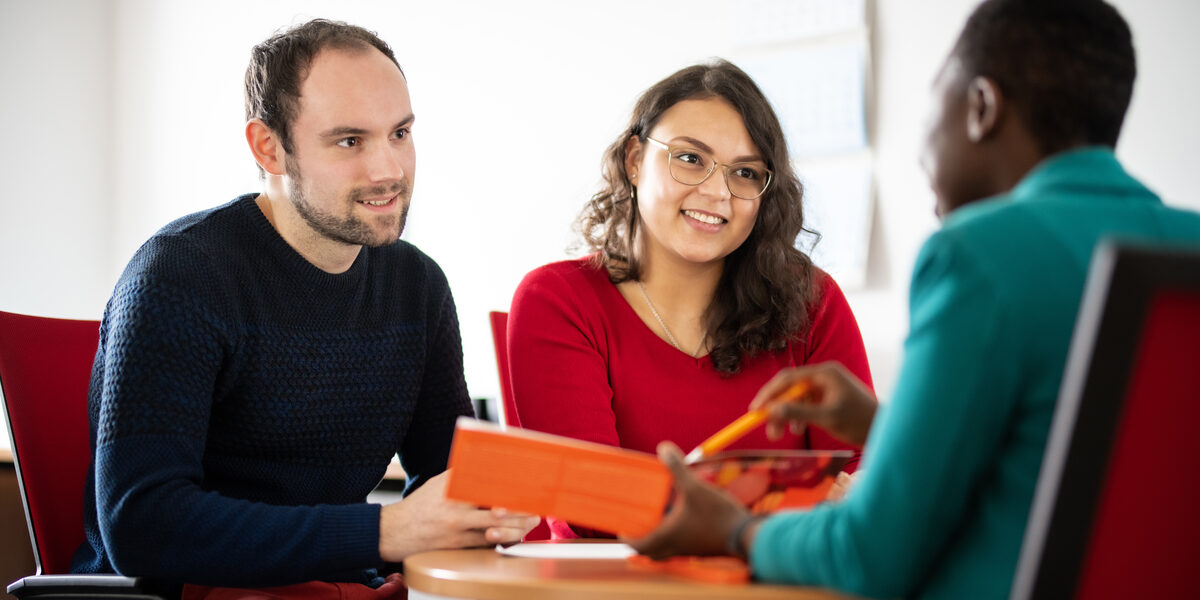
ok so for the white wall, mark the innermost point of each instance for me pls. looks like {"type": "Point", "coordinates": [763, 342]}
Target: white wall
{"type": "Point", "coordinates": [122, 115]}
{"type": "Point", "coordinates": [56, 158]}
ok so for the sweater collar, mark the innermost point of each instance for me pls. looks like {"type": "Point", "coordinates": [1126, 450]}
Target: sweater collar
{"type": "Point", "coordinates": [293, 262]}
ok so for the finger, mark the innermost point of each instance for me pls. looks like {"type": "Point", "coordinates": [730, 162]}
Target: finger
{"type": "Point", "coordinates": [482, 518]}
{"type": "Point", "coordinates": [643, 545]}
{"type": "Point", "coordinates": [528, 523]}
{"type": "Point", "coordinates": [672, 457]}
{"type": "Point", "coordinates": [836, 492]}
{"type": "Point", "coordinates": [663, 552]}
{"type": "Point", "coordinates": [653, 544]}
{"type": "Point", "coordinates": [500, 513]}
{"type": "Point", "coordinates": [774, 430]}
{"type": "Point", "coordinates": [796, 427]}
{"type": "Point", "coordinates": [657, 544]}
{"type": "Point", "coordinates": [518, 522]}
{"type": "Point", "coordinates": [505, 535]}
{"type": "Point", "coordinates": [465, 539]}
{"type": "Point", "coordinates": [790, 412]}
{"type": "Point", "coordinates": [777, 385]}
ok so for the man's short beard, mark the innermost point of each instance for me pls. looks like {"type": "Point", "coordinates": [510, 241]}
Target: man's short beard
{"type": "Point", "coordinates": [348, 229]}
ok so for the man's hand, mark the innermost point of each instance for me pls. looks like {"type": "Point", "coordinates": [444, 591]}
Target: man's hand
{"type": "Point", "coordinates": [701, 519]}
{"type": "Point", "coordinates": [426, 520]}
{"type": "Point", "coordinates": [837, 402]}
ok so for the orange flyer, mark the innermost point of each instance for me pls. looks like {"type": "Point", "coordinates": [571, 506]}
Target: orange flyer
{"type": "Point", "coordinates": [593, 485]}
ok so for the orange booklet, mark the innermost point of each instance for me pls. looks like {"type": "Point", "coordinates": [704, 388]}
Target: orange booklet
{"type": "Point", "coordinates": [593, 485]}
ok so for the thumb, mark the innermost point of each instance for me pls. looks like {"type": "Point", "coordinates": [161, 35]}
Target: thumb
{"type": "Point", "coordinates": [672, 457]}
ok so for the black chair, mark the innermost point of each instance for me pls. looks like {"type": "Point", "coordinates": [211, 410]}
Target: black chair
{"type": "Point", "coordinates": [1115, 511]}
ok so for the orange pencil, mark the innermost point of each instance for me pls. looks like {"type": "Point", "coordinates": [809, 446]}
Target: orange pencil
{"type": "Point", "coordinates": [743, 424]}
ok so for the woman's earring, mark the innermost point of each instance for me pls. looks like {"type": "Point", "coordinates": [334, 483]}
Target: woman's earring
{"type": "Point", "coordinates": [632, 187]}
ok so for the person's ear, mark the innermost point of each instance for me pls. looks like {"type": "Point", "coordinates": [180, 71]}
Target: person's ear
{"type": "Point", "coordinates": [633, 157]}
{"type": "Point", "coordinates": [266, 147]}
{"type": "Point", "coordinates": [985, 103]}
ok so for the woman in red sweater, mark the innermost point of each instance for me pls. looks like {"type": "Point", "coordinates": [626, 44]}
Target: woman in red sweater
{"type": "Point", "coordinates": [695, 294]}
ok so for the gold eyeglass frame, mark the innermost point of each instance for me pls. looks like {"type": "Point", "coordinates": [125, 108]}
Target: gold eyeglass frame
{"type": "Point", "coordinates": [711, 169]}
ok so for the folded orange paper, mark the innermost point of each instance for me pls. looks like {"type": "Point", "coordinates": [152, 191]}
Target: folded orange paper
{"type": "Point", "coordinates": [593, 485]}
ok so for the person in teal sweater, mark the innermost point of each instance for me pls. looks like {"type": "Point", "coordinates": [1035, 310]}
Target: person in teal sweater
{"type": "Point", "coordinates": [1028, 108]}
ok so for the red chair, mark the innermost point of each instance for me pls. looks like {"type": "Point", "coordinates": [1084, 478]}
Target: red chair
{"type": "Point", "coordinates": [45, 368]}
{"type": "Point", "coordinates": [1114, 514]}
{"type": "Point", "coordinates": [499, 321]}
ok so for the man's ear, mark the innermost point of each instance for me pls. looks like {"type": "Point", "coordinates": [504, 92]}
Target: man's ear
{"type": "Point", "coordinates": [266, 147]}
{"type": "Point", "coordinates": [985, 107]}
{"type": "Point", "coordinates": [633, 156]}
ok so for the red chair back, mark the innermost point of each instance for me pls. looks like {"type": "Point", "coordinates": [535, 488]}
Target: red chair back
{"type": "Point", "coordinates": [1114, 515]}
{"type": "Point", "coordinates": [499, 322]}
{"type": "Point", "coordinates": [45, 368]}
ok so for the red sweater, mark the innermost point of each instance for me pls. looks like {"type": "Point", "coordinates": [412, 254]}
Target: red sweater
{"type": "Point", "coordinates": [584, 365]}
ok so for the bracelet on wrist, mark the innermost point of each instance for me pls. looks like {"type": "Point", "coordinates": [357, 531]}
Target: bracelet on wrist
{"type": "Point", "coordinates": [733, 544]}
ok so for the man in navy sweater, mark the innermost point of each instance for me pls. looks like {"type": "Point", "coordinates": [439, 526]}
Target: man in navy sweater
{"type": "Point", "coordinates": [261, 362]}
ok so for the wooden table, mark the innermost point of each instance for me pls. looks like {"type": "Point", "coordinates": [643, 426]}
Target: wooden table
{"type": "Point", "coordinates": [484, 574]}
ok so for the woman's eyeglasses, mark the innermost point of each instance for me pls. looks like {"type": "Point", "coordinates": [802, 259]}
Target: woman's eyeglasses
{"type": "Point", "coordinates": [689, 166]}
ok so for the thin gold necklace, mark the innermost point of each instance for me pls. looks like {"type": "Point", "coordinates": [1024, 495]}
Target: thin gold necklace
{"type": "Point", "coordinates": [661, 323]}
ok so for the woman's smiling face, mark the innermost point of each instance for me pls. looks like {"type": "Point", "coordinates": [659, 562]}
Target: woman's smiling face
{"type": "Point", "coordinates": [694, 223]}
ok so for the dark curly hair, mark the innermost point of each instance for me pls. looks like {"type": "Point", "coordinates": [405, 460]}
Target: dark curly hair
{"type": "Point", "coordinates": [767, 287]}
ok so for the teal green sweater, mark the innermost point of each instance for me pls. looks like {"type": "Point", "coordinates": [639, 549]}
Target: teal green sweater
{"type": "Point", "coordinates": [951, 464]}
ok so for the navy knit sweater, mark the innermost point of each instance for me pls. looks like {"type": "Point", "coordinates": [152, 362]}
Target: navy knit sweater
{"type": "Point", "coordinates": [243, 403]}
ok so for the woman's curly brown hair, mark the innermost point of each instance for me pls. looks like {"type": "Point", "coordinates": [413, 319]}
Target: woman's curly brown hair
{"type": "Point", "coordinates": [767, 287]}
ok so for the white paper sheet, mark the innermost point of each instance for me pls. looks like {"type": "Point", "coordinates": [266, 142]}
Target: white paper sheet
{"type": "Point", "coordinates": [614, 550]}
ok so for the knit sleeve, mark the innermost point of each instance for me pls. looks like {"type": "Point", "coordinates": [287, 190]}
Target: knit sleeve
{"type": "Point", "coordinates": [443, 397]}
{"type": "Point", "coordinates": [834, 336]}
{"type": "Point", "coordinates": [163, 348]}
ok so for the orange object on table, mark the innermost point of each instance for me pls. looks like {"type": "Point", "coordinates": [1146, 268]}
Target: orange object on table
{"type": "Point", "coordinates": [798, 497]}
{"type": "Point", "coordinates": [709, 569]}
{"type": "Point", "coordinates": [594, 485]}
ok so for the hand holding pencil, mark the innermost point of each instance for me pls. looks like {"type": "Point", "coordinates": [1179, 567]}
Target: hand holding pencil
{"type": "Point", "coordinates": [835, 400]}
{"type": "Point", "coordinates": [740, 427]}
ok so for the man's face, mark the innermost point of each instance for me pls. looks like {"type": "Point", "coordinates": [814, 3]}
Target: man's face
{"type": "Point", "coordinates": [350, 173]}
{"type": "Point", "coordinates": [950, 159]}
